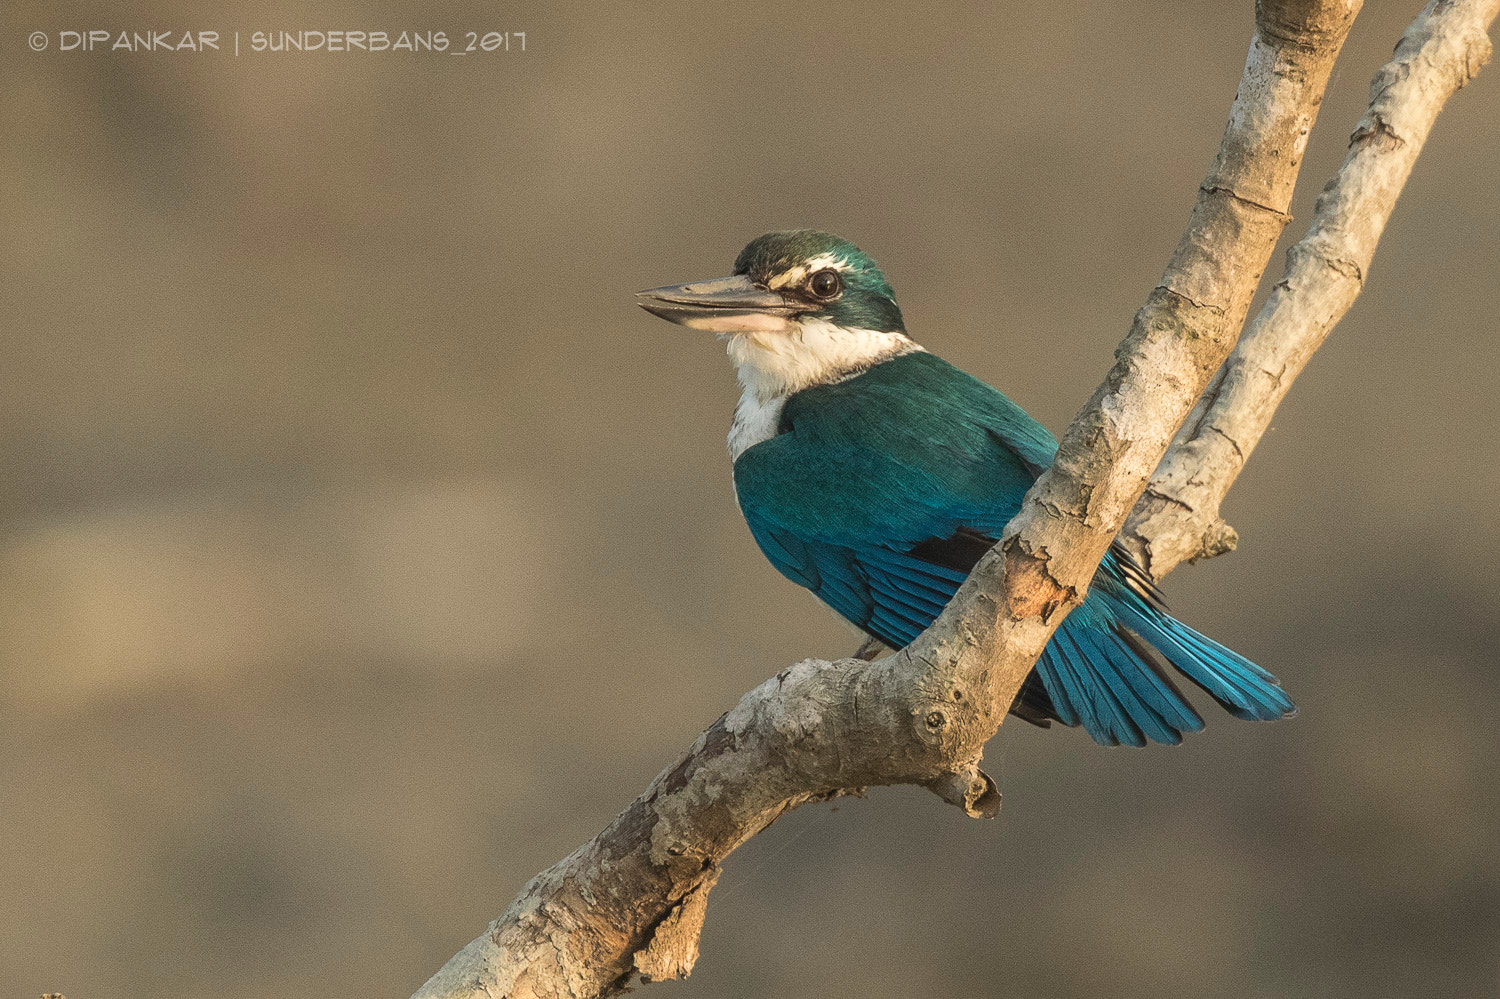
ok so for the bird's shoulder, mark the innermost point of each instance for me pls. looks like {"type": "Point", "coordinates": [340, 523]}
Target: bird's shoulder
{"type": "Point", "coordinates": [920, 398]}
{"type": "Point", "coordinates": [916, 408]}
{"type": "Point", "coordinates": [913, 447]}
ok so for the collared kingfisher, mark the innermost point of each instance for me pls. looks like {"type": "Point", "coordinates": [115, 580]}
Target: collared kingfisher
{"type": "Point", "coordinates": [876, 474]}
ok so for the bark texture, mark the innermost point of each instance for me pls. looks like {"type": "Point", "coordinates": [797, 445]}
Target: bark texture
{"type": "Point", "coordinates": [1178, 518]}
{"type": "Point", "coordinates": [632, 899]}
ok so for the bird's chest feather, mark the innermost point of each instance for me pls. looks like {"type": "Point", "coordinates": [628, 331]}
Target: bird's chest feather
{"type": "Point", "coordinates": [755, 420]}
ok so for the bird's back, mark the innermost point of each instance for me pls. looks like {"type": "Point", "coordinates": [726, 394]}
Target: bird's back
{"type": "Point", "coordinates": [908, 447]}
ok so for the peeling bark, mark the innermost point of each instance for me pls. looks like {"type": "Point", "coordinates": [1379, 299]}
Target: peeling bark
{"type": "Point", "coordinates": [1031, 590]}
{"type": "Point", "coordinates": [632, 899]}
{"type": "Point", "coordinates": [672, 949]}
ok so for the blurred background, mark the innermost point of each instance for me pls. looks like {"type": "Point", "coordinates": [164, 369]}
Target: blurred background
{"type": "Point", "coordinates": [363, 549]}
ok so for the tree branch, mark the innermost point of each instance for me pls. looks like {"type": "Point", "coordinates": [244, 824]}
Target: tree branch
{"type": "Point", "coordinates": [1178, 518]}
{"type": "Point", "coordinates": [632, 899]}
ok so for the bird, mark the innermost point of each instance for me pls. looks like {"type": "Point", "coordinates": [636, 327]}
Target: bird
{"type": "Point", "coordinates": [876, 474]}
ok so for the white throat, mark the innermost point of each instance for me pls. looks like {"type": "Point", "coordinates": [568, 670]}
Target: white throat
{"type": "Point", "coordinates": [772, 366]}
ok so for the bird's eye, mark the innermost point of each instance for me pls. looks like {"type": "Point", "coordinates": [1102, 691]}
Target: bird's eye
{"type": "Point", "coordinates": [826, 283]}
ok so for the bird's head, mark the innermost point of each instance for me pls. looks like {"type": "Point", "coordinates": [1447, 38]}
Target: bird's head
{"type": "Point", "coordinates": [802, 308]}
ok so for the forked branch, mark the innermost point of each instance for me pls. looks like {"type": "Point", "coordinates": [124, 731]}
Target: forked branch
{"type": "Point", "coordinates": [1178, 518]}
{"type": "Point", "coordinates": [632, 899]}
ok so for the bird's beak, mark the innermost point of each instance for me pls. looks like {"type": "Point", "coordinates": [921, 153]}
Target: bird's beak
{"type": "Point", "coordinates": [724, 305]}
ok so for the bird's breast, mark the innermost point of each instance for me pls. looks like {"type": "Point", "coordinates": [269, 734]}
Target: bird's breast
{"type": "Point", "coordinates": [755, 420]}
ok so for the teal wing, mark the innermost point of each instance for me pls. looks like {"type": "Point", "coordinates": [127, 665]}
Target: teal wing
{"type": "Point", "coordinates": [850, 540]}
{"type": "Point", "coordinates": [910, 453]}
{"type": "Point", "coordinates": [880, 493]}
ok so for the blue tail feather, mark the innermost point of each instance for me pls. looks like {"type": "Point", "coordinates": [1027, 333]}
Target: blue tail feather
{"type": "Point", "coordinates": [1109, 667]}
{"type": "Point", "coordinates": [1168, 699]}
{"type": "Point", "coordinates": [1099, 711]}
{"type": "Point", "coordinates": [1065, 686]}
{"type": "Point", "coordinates": [1241, 687]}
{"type": "Point", "coordinates": [1123, 709]}
{"type": "Point", "coordinates": [1165, 715]}
{"type": "Point", "coordinates": [1103, 670]}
